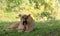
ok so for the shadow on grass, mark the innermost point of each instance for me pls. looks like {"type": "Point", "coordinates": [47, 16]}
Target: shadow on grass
{"type": "Point", "coordinates": [47, 28]}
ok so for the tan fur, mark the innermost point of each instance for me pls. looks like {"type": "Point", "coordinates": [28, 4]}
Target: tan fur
{"type": "Point", "coordinates": [30, 25]}
{"type": "Point", "coordinates": [12, 26]}
{"type": "Point", "coordinates": [19, 25]}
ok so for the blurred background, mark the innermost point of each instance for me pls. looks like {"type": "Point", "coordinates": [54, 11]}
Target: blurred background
{"type": "Point", "coordinates": [40, 10]}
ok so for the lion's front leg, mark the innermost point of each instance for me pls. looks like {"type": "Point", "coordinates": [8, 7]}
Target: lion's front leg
{"type": "Point", "coordinates": [20, 28]}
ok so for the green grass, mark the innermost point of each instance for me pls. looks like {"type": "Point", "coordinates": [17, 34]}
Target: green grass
{"type": "Point", "coordinates": [50, 28]}
{"type": "Point", "coordinates": [47, 28]}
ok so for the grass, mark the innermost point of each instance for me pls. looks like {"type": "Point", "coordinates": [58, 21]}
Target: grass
{"type": "Point", "coordinates": [50, 28]}
{"type": "Point", "coordinates": [47, 28]}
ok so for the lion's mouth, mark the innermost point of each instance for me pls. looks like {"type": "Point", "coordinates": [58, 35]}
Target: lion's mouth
{"type": "Point", "coordinates": [24, 22]}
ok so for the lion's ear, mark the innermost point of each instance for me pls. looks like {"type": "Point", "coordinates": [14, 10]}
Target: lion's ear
{"type": "Point", "coordinates": [19, 15]}
{"type": "Point", "coordinates": [29, 15]}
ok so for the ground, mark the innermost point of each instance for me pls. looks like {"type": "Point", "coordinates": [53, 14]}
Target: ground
{"type": "Point", "coordinates": [47, 28]}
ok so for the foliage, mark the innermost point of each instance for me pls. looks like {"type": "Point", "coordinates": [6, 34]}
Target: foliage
{"type": "Point", "coordinates": [29, 6]}
{"type": "Point", "coordinates": [45, 14]}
